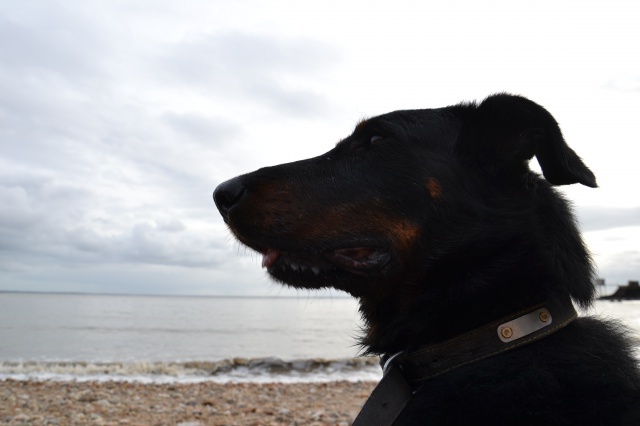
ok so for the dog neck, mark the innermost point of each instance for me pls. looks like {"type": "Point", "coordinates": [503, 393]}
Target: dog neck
{"type": "Point", "coordinates": [515, 330]}
{"type": "Point", "coordinates": [403, 372]}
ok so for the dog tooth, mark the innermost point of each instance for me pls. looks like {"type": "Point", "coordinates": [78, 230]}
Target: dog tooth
{"type": "Point", "coordinates": [295, 266]}
{"type": "Point", "coordinates": [315, 270]}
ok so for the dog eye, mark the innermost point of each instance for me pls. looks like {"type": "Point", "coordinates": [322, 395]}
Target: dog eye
{"type": "Point", "coordinates": [376, 138]}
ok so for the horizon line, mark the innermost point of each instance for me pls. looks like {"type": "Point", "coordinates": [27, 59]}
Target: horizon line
{"type": "Point", "coordinates": [229, 296]}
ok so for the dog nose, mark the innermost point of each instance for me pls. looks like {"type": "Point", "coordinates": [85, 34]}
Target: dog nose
{"type": "Point", "coordinates": [227, 195]}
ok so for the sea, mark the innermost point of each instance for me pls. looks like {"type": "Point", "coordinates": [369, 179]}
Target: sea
{"type": "Point", "coordinates": [175, 339]}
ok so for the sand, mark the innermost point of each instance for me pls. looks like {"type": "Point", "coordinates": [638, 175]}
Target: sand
{"type": "Point", "coordinates": [132, 404]}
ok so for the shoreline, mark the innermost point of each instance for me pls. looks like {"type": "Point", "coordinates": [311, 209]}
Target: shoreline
{"type": "Point", "coordinates": [236, 370]}
{"type": "Point", "coordinates": [178, 404]}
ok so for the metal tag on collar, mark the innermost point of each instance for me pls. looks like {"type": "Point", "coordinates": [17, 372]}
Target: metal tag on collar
{"type": "Point", "coordinates": [524, 325]}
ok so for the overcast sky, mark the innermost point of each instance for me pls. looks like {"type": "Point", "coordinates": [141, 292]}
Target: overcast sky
{"type": "Point", "coordinates": [119, 118]}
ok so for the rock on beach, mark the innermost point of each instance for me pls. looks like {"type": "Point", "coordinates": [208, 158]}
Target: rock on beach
{"type": "Point", "coordinates": [199, 404]}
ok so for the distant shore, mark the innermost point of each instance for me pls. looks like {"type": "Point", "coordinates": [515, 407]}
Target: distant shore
{"type": "Point", "coordinates": [201, 404]}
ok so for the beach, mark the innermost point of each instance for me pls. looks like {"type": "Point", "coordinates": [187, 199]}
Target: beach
{"type": "Point", "coordinates": [200, 404]}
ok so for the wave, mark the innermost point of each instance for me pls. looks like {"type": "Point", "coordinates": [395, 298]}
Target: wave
{"type": "Point", "coordinates": [255, 370]}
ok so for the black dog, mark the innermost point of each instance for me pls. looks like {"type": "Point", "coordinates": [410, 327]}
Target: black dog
{"type": "Point", "coordinates": [433, 220]}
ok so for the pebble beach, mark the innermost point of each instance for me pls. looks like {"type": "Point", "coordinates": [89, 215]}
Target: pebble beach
{"type": "Point", "coordinates": [199, 404]}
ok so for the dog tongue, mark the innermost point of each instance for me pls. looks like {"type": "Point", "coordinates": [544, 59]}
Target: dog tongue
{"type": "Point", "coordinates": [269, 257]}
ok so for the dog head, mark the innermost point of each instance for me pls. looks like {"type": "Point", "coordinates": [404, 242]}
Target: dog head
{"type": "Point", "coordinates": [421, 213]}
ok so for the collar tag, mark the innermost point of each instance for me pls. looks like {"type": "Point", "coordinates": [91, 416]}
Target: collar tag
{"type": "Point", "coordinates": [524, 325]}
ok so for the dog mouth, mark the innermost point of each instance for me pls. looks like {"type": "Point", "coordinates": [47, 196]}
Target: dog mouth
{"type": "Point", "coordinates": [356, 260]}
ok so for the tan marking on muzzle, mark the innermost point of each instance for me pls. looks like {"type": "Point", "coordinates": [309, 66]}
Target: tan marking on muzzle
{"type": "Point", "coordinates": [357, 220]}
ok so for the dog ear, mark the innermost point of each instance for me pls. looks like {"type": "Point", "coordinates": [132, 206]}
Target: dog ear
{"type": "Point", "coordinates": [512, 129]}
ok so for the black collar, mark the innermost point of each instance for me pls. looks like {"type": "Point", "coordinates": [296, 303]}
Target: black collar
{"type": "Point", "coordinates": [402, 370]}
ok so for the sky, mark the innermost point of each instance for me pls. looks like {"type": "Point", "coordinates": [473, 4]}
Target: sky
{"type": "Point", "coordinates": [119, 118]}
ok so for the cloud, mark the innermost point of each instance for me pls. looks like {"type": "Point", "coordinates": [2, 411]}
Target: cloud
{"type": "Point", "coordinates": [143, 244]}
{"type": "Point", "coordinates": [252, 67]}
{"type": "Point", "coordinates": [200, 128]}
{"type": "Point", "coordinates": [31, 201]}
{"type": "Point", "coordinates": [616, 252]}
{"type": "Point", "coordinates": [18, 212]}
{"type": "Point", "coordinates": [598, 218]}
{"type": "Point", "coordinates": [623, 84]}
{"type": "Point", "coordinates": [618, 268]}
{"type": "Point", "coordinates": [51, 40]}
{"type": "Point", "coordinates": [172, 225]}
{"type": "Point", "coordinates": [44, 221]}
{"type": "Point", "coordinates": [237, 57]}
